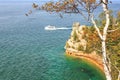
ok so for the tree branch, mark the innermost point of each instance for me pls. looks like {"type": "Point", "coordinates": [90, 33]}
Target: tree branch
{"type": "Point", "coordinates": [118, 72]}
{"type": "Point", "coordinates": [96, 27]}
{"type": "Point", "coordinates": [81, 13]}
{"type": "Point", "coordinates": [113, 30]}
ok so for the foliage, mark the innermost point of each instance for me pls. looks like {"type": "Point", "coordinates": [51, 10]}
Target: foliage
{"type": "Point", "coordinates": [113, 41]}
{"type": "Point", "coordinates": [75, 37]}
{"type": "Point", "coordinates": [93, 40]}
{"type": "Point", "coordinates": [67, 45]}
{"type": "Point", "coordinates": [101, 21]}
{"type": "Point", "coordinates": [80, 48]}
{"type": "Point", "coordinates": [69, 6]}
{"type": "Point", "coordinates": [118, 16]}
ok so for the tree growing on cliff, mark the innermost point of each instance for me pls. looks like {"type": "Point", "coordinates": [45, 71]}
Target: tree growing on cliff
{"type": "Point", "coordinates": [79, 7]}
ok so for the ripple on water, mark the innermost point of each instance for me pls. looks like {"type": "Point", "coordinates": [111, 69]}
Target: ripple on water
{"type": "Point", "coordinates": [28, 52]}
{"type": "Point", "coordinates": [36, 63]}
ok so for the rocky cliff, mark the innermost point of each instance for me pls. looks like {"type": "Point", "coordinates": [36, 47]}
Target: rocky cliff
{"type": "Point", "coordinates": [77, 39]}
{"type": "Point", "coordinates": [78, 44]}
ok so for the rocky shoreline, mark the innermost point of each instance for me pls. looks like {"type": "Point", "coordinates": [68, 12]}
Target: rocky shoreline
{"type": "Point", "coordinates": [92, 57]}
{"type": "Point", "coordinates": [77, 46]}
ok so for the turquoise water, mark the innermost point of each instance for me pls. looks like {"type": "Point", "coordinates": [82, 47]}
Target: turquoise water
{"type": "Point", "coordinates": [28, 52]}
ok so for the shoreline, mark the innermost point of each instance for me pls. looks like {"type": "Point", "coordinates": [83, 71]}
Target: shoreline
{"type": "Point", "coordinates": [93, 57]}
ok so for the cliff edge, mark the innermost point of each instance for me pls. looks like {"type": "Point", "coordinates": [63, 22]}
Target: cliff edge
{"type": "Point", "coordinates": [78, 44]}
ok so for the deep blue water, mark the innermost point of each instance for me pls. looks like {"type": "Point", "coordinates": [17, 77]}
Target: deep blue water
{"type": "Point", "coordinates": [28, 52]}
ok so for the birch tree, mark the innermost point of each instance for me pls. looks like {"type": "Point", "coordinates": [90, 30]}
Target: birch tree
{"type": "Point", "coordinates": [80, 7]}
{"type": "Point", "coordinates": [103, 37]}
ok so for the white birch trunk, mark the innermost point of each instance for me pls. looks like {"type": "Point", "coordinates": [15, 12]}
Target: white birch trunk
{"type": "Point", "coordinates": [103, 38]}
{"type": "Point", "coordinates": [105, 62]}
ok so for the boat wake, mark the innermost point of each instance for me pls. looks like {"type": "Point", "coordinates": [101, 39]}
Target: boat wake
{"type": "Point", "coordinates": [49, 27]}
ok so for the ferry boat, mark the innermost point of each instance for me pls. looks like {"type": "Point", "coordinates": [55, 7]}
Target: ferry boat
{"type": "Point", "coordinates": [49, 27]}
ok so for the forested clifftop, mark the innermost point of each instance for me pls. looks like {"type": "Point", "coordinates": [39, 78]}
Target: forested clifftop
{"type": "Point", "coordinates": [84, 42]}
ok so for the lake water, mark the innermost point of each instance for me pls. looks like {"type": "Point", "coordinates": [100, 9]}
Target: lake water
{"type": "Point", "coordinates": [28, 52]}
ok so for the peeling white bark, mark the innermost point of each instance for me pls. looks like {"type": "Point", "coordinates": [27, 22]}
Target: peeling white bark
{"type": "Point", "coordinates": [96, 27]}
{"type": "Point", "coordinates": [105, 62]}
{"type": "Point", "coordinates": [103, 38]}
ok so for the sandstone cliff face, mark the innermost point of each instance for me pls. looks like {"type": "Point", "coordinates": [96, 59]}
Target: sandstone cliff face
{"type": "Point", "coordinates": [77, 45]}
{"type": "Point", "coordinates": [77, 39]}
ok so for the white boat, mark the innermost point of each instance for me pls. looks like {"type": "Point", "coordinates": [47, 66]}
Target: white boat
{"type": "Point", "coordinates": [49, 27]}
